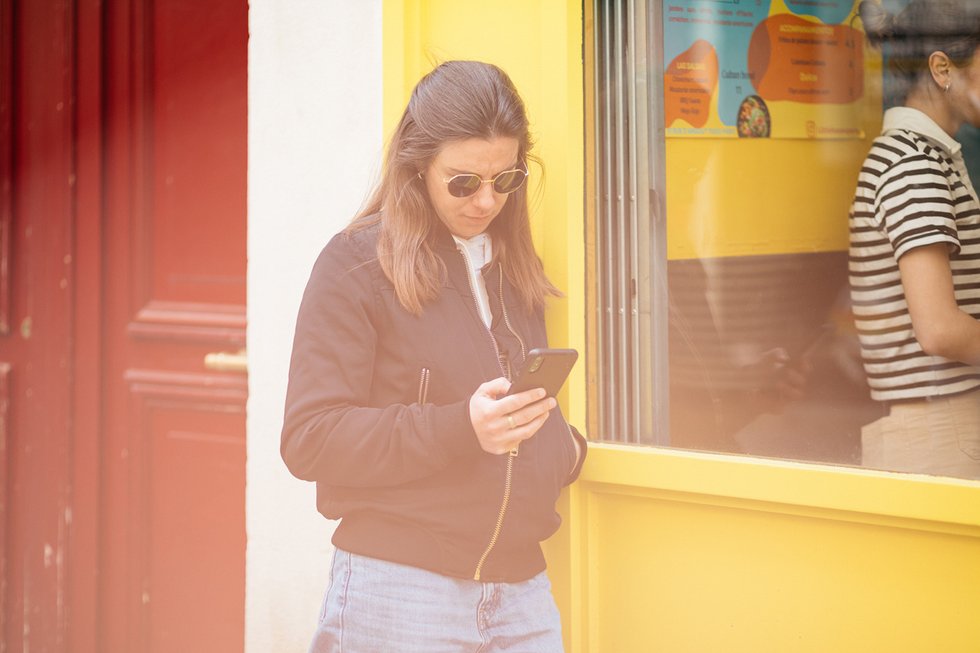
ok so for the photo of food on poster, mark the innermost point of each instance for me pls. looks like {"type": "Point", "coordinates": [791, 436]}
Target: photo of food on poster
{"type": "Point", "coordinates": [763, 69]}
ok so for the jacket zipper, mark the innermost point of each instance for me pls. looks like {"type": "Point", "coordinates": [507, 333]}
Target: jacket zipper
{"type": "Point", "coordinates": [503, 309]}
{"type": "Point", "coordinates": [509, 476]}
{"type": "Point", "coordinates": [508, 481]}
{"type": "Point", "coordinates": [423, 385]}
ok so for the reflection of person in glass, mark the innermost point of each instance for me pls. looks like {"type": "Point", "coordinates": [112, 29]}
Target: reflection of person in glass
{"type": "Point", "coordinates": [411, 322]}
{"type": "Point", "coordinates": [713, 395]}
{"type": "Point", "coordinates": [915, 245]}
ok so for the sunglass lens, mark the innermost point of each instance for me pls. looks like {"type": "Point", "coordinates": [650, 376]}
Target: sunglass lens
{"type": "Point", "coordinates": [509, 181]}
{"type": "Point", "coordinates": [464, 185]}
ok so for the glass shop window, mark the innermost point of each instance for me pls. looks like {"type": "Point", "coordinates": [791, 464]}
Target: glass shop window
{"type": "Point", "coordinates": [724, 142]}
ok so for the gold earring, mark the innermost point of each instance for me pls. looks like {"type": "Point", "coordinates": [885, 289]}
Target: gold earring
{"type": "Point", "coordinates": [946, 89]}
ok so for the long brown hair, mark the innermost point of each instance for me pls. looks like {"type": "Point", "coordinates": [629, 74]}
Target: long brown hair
{"type": "Point", "coordinates": [456, 101]}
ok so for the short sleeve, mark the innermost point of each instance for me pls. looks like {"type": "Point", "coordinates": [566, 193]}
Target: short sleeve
{"type": "Point", "coordinates": [915, 203]}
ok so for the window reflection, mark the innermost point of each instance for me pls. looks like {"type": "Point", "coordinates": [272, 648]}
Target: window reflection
{"type": "Point", "coordinates": [763, 359]}
{"type": "Point", "coordinates": [748, 319]}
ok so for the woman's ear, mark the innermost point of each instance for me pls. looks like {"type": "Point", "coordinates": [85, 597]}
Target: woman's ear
{"type": "Point", "coordinates": [940, 68]}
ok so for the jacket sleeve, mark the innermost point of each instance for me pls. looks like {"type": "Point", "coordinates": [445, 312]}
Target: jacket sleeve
{"type": "Point", "coordinates": [330, 432]}
{"type": "Point", "coordinates": [584, 444]}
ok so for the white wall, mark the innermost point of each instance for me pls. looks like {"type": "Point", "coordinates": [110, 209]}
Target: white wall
{"type": "Point", "coordinates": [314, 141]}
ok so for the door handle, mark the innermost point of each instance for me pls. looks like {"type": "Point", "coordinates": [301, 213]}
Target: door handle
{"type": "Point", "coordinates": [227, 361]}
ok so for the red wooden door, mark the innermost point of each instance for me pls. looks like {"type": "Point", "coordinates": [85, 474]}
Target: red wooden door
{"type": "Point", "coordinates": [173, 486]}
{"type": "Point", "coordinates": [122, 265]}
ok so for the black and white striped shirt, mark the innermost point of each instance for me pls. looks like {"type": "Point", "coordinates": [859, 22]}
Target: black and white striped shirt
{"type": "Point", "coordinates": [913, 190]}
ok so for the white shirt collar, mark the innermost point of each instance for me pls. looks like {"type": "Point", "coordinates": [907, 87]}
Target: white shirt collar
{"type": "Point", "coordinates": [477, 253]}
{"type": "Point", "coordinates": [478, 247]}
{"type": "Point", "coordinates": [915, 121]}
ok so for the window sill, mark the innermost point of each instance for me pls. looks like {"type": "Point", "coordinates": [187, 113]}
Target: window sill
{"type": "Point", "coordinates": [930, 503]}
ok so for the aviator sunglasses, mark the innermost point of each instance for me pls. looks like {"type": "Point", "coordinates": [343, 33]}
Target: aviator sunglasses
{"type": "Point", "coordinates": [465, 185]}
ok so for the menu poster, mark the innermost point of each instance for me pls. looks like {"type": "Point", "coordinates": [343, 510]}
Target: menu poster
{"type": "Point", "coordinates": [762, 69]}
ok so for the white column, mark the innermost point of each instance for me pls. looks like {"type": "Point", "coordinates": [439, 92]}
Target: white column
{"type": "Point", "coordinates": [314, 145]}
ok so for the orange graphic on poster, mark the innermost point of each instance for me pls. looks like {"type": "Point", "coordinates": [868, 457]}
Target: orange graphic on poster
{"type": "Point", "coordinates": [690, 81]}
{"type": "Point", "coordinates": [802, 61]}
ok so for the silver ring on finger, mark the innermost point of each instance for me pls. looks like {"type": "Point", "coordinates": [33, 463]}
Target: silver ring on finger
{"type": "Point", "coordinates": [510, 422]}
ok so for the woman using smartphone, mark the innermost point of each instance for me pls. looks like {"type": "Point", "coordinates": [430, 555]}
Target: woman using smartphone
{"type": "Point", "coordinates": [397, 407]}
{"type": "Point", "coordinates": [915, 245]}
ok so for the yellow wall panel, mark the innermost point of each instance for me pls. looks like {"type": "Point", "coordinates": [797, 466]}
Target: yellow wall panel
{"type": "Point", "coordinates": [708, 553]}
{"type": "Point", "coordinates": [718, 579]}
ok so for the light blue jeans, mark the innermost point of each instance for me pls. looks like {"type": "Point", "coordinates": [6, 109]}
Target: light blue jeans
{"type": "Point", "coordinates": [374, 606]}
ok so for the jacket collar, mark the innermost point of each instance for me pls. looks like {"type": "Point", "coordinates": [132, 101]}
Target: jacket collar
{"type": "Point", "coordinates": [442, 238]}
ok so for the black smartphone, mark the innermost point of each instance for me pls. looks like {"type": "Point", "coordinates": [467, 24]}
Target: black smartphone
{"type": "Point", "coordinates": [544, 368]}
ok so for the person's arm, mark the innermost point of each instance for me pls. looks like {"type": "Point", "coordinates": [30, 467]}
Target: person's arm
{"type": "Point", "coordinates": [915, 204]}
{"type": "Point", "coordinates": [331, 433]}
{"type": "Point", "coordinates": [941, 327]}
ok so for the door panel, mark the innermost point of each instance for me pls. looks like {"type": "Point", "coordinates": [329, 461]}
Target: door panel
{"type": "Point", "coordinates": [174, 504]}
{"type": "Point", "coordinates": [192, 460]}
{"type": "Point", "coordinates": [197, 131]}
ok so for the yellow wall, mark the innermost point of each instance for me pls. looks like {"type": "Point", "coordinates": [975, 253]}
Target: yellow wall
{"type": "Point", "coordinates": [693, 552]}
{"type": "Point", "coordinates": [676, 551]}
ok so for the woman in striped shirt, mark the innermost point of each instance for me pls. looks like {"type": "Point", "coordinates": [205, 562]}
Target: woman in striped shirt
{"type": "Point", "coordinates": [915, 246]}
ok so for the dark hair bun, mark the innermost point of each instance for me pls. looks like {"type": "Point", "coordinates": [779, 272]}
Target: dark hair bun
{"type": "Point", "coordinates": [879, 25]}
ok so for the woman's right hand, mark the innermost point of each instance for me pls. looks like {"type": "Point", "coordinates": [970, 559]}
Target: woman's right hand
{"type": "Point", "coordinates": [503, 421]}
